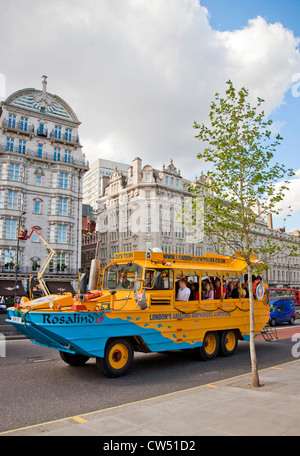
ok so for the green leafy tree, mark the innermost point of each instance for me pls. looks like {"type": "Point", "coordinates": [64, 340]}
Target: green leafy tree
{"type": "Point", "coordinates": [243, 176]}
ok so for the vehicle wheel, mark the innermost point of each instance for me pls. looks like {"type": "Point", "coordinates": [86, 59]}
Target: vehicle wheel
{"type": "Point", "coordinates": [273, 322]}
{"type": "Point", "coordinates": [292, 320]}
{"type": "Point", "coordinates": [228, 343]}
{"type": "Point", "coordinates": [73, 359]}
{"type": "Point", "coordinates": [210, 346]}
{"type": "Point", "coordinates": [117, 359]}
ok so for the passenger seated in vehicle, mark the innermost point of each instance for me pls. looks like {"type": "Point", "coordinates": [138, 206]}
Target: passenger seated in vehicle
{"type": "Point", "coordinates": [218, 292]}
{"type": "Point", "coordinates": [183, 292]}
{"type": "Point", "coordinates": [194, 296]}
{"type": "Point", "coordinates": [235, 291]}
{"type": "Point", "coordinates": [229, 292]}
{"type": "Point", "coordinates": [208, 292]}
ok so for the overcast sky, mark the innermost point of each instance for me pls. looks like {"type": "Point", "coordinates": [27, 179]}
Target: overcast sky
{"type": "Point", "coordinates": [138, 73]}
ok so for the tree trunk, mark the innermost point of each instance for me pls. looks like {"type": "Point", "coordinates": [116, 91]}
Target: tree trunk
{"type": "Point", "coordinates": [255, 378]}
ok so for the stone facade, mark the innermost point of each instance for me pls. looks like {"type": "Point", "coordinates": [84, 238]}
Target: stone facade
{"type": "Point", "coordinates": [143, 210]}
{"type": "Point", "coordinates": [42, 165]}
{"type": "Point", "coordinates": [92, 182]}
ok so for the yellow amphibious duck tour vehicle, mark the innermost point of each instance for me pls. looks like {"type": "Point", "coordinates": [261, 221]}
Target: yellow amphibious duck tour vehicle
{"type": "Point", "coordinates": [139, 310]}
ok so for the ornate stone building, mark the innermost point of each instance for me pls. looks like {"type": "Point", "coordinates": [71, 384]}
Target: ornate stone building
{"type": "Point", "coordinates": [143, 210]}
{"type": "Point", "coordinates": [42, 165]}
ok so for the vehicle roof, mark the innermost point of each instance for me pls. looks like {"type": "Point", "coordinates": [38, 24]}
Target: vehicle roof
{"type": "Point", "coordinates": [205, 263]}
{"type": "Point", "coordinates": [282, 301]}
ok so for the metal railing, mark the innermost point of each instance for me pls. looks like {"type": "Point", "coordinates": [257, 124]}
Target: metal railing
{"type": "Point", "coordinates": [64, 137]}
{"type": "Point", "coordinates": [29, 270]}
{"type": "Point", "coordinates": [25, 127]}
{"type": "Point", "coordinates": [20, 125]}
{"type": "Point", "coordinates": [49, 156]}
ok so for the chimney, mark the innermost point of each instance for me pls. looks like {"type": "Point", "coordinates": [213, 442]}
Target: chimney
{"type": "Point", "coordinates": [137, 170]}
{"type": "Point", "coordinates": [44, 84]}
{"type": "Point", "coordinates": [270, 220]}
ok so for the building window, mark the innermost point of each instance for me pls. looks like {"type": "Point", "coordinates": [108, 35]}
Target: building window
{"type": "Point", "coordinates": [56, 154]}
{"type": "Point", "coordinates": [10, 144]}
{"type": "Point", "coordinates": [9, 259]}
{"type": "Point", "coordinates": [62, 206]}
{"type": "Point", "coordinates": [24, 124]}
{"type": "Point", "coordinates": [53, 206]}
{"type": "Point", "coordinates": [41, 129]}
{"type": "Point", "coordinates": [35, 237]}
{"type": "Point", "coordinates": [12, 120]}
{"type": "Point", "coordinates": [63, 180]}
{"type": "Point", "coordinates": [12, 199]}
{"type": "Point", "coordinates": [68, 134]}
{"type": "Point", "coordinates": [11, 229]}
{"type": "Point", "coordinates": [4, 171]}
{"type": "Point", "coordinates": [67, 156]}
{"type": "Point", "coordinates": [14, 172]}
{"type": "Point", "coordinates": [38, 180]}
{"type": "Point", "coordinates": [22, 146]}
{"type": "Point", "coordinates": [61, 234]}
{"type": "Point", "coordinates": [57, 132]}
{"type": "Point", "coordinates": [37, 207]}
{"type": "Point", "coordinates": [1, 199]}
{"type": "Point", "coordinates": [60, 262]}
{"type": "Point", "coordinates": [52, 233]}
{"type": "Point", "coordinates": [40, 151]}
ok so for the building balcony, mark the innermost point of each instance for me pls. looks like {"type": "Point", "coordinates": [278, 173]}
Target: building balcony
{"type": "Point", "coordinates": [11, 268]}
{"type": "Point", "coordinates": [19, 127]}
{"type": "Point", "coordinates": [42, 131]}
{"type": "Point", "coordinates": [41, 155]}
{"type": "Point", "coordinates": [64, 138]}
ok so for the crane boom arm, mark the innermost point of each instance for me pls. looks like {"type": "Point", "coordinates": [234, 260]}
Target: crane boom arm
{"type": "Point", "coordinates": [48, 259]}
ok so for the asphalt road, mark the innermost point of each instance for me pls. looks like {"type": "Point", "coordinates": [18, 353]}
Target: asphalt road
{"type": "Point", "coordinates": [37, 386]}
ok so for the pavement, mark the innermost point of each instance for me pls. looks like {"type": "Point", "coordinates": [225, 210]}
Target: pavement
{"type": "Point", "coordinates": [230, 407]}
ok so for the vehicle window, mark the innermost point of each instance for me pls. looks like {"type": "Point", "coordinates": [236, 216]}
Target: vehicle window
{"type": "Point", "coordinates": [122, 276]}
{"type": "Point", "coordinates": [192, 282]}
{"type": "Point", "coordinates": [159, 279]}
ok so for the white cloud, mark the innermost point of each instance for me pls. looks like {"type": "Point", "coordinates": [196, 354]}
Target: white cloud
{"type": "Point", "coordinates": [291, 198]}
{"type": "Point", "coordinates": [139, 72]}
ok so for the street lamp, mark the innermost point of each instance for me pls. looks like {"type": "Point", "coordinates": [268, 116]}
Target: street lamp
{"type": "Point", "coordinates": [17, 259]}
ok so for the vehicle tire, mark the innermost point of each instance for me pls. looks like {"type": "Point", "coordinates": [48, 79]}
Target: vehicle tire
{"type": "Point", "coordinates": [273, 322]}
{"type": "Point", "coordinates": [117, 359]}
{"type": "Point", "coordinates": [73, 359]}
{"type": "Point", "coordinates": [210, 346]}
{"type": "Point", "coordinates": [292, 321]}
{"type": "Point", "coordinates": [228, 342]}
